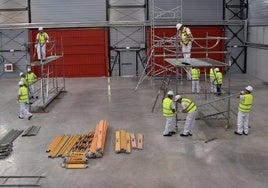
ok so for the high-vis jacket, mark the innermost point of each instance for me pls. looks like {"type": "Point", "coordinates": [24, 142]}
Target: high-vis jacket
{"type": "Point", "coordinates": [42, 38]}
{"type": "Point", "coordinates": [24, 94]}
{"type": "Point", "coordinates": [195, 74]}
{"type": "Point", "coordinates": [246, 103]}
{"type": "Point", "coordinates": [212, 73]}
{"type": "Point", "coordinates": [31, 78]}
{"type": "Point", "coordinates": [185, 37]}
{"type": "Point", "coordinates": [191, 107]}
{"type": "Point", "coordinates": [167, 111]}
{"type": "Point", "coordinates": [219, 78]}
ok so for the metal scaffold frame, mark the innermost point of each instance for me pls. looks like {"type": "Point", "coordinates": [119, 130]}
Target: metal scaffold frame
{"type": "Point", "coordinates": [51, 81]}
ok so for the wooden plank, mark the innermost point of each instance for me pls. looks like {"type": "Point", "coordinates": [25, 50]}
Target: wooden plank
{"type": "Point", "coordinates": [128, 150]}
{"type": "Point", "coordinates": [105, 124]}
{"type": "Point", "coordinates": [92, 149]}
{"type": "Point", "coordinates": [123, 141]}
{"type": "Point", "coordinates": [117, 141]}
{"type": "Point", "coordinates": [74, 166]}
{"type": "Point", "coordinates": [140, 141]}
{"type": "Point", "coordinates": [133, 141]}
{"type": "Point", "coordinates": [54, 143]}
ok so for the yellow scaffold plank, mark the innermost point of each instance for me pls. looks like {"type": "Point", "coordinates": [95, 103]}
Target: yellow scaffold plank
{"type": "Point", "coordinates": [140, 141]}
{"type": "Point", "coordinates": [133, 141]}
{"type": "Point", "coordinates": [117, 141]}
{"type": "Point", "coordinates": [128, 150]}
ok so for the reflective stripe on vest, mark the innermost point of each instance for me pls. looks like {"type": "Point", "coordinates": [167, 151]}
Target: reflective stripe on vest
{"type": "Point", "coordinates": [191, 107]}
{"type": "Point", "coordinates": [42, 37]}
{"type": "Point", "coordinates": [167, 111]}
{"type": "Point", "coordinates": [219, 78]}
{"type": "Point", "coordinates": [195, 74]}
{"type": "Point", "coordinates": [245, 105]}
{"type": "Point", "coordinates": [31, 78]}
{"type": "Point", "coordinates": [184, 36]}
{"type": "Point", "coordinates": [212, 73]}
{"type": "Point", "coordinates": [24, 80]}
{"type": "Point", "coordinates": [24, 94]}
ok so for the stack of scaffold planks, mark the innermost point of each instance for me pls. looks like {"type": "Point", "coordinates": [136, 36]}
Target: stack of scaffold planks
{"type": "Point", "coordinates": [77, 149]}
{"type": "Point", "coordinates": [125, 141]}
{"type": "Point", "coordinates": [97, 146]}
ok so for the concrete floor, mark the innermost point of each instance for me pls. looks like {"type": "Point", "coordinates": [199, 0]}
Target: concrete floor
{"type": "Point", "coordinates": [165, 162]}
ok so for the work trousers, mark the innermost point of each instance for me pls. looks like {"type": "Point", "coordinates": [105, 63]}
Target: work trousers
{"type": "Point", "coordinates": [242, 122]}
{"type": "Point", "coordinates": [24, 111]}
{"type": "Point", "coordinates": [195, 86]}
{"type": "Point", "coordinates": [189, 123]}
{"type": "Point", "coordinates": [186, 51]}
{"type": "Point", "coordinates": [169, 125]}
{"type": "Point", "coordinates": [31, 90]}
{"type": "Point", "coordinates": [41, 51]}
{"type": "Point", "coordinates": [213, 88]}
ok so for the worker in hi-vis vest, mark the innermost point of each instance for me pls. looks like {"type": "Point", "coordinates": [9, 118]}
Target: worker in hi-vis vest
{"type": "Point", "coordinates": [186, 39]}
{"type": "Point", "coordinates": [195, 80]}
{"type": "Point", "coordinates": [31, 78]}
{"type": "Point", "coordinates": [245, 103]}
{"type": "Point", "coordinates": [41, 39]}
{"type": "Point", "coordinates": [189, 107]}
{"type": "Point", "coordinates": [168, 112]}
{"type": "Point", "coordinates": [218, 81]}
{"type": "Point", "coordinates": [22, 100]}
{"type": "Point", "coordinates": [212, 76]}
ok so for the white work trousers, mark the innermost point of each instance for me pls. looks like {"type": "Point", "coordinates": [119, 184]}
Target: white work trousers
{"type": "Point", "coordinates": [31, 90]}
{"type": "Point", "coordinates": [186, 50]}
{"type": "Point", "coordinates": [189, 123]}
{"type": "Point", "coordinates": [213, 88]}
{"type": "Point", "coordinates": [41, 51]}
{"type": "Point", "coordinates": [195, 86]}
{"type": "Point", "coordinates": [169, 125]}
{"type": "Point", "coordinates": [23, 110]}
{"type": "Point", "coordinates": [242, 122]}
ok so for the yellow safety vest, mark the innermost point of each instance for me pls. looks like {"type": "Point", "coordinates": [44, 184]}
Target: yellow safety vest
{"type": "Point", "coordinates": [219, 78]}
{"type": "Point", "coordinates": [31, 78]}
{"type": "Point", "coordinates": [24, 94]}
{"type": "Point", "coordinates": [24, 81]}
{"type": "Point", "coordinates": [195, 74]}
{"type": "Point", "coordinates": [167, 111]}
{"type": "Point", "coordinates": [42, 37]}
{"type": "Point", "coordinates": [191, 107]}
{"type": "Point", "coordinates": [212, 73]}
{"type": "Point", "coordinates": [185, 37]}
{"type": "Point", "coordinates": [245, 105]}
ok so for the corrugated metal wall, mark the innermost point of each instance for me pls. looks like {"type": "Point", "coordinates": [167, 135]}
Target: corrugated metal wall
{"type": "Point", "coordinates": [68, 10]}
{"type": "Point", "coordinates": [85, 50]}
{"type": "Point", "coordinates": [258, 35]}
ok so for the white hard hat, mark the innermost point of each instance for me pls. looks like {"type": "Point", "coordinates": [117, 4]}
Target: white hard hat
{"type": "Point", "coordinates": [29, 69]}
{"type": "Point", "coordinates": [178, 26]}
{"type": "Point", "coordinates": [177, 97]}
{"type": "Point", "coordinates": [249, 88]}
{"type": "Point", "coordinates": [170, 93]}
{"type": "Point", "coordinates": [21, 73]}
{"type": "Point", "coordinates": [217, 69]}
{"type": "Point", "coordinates": [40, 28]}
{"type": "Point", "coordinates": [20, 83]}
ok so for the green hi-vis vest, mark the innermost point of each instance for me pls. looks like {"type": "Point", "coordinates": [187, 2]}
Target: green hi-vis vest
{"type": "Point", "coordinates": [24, 94]}
{"type": "Point", "coordinates": [212, 73]}
{"type": "Point", "coordinates": [31, 78]}
{"type": "Point", "coordinates": [219, 78]}
{"type": "Point", "coordinates": [42, 37]}
{"type": "Point", "coordinates": [245, 105]}
{"type": "Point", "coordinates": [167, 112]}
{"type": "Point", "coordinates": [195, 74]}
{"type": "Point", "coordinates": [184, 37]}
{"type": "Point", "coordinates": [24, 81]}
{"type": "Point", "coordinates": [191, 107]}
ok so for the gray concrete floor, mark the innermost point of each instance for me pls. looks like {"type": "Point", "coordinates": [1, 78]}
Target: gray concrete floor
{"type": "Point", "coordinates": [228, 161]}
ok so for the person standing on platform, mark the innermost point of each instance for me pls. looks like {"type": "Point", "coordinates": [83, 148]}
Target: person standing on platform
{"type": "Point", "coordinates": [189, 107]}
{"type": "Point", "coordinates": [244, 108]}
{"type": "Point", "coordinates": [22, 100]}
{"type": "Point", "coordinates": [218, 81]}
{"type": "Point", "coordinates": [212, 76]}
{"type": "Point", "coordinates": [168, 112]}
{"type": "Point", "coordinates": [41, 39]}
{"type": "Point", "coordinates": [186, 39]}
{"type": "Point", "coordinates": [31, 78]}
{"type": "Point", "coordinates": [195, 80]}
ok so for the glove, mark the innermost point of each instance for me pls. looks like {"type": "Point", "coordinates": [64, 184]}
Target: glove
{"type": "Point", "coordinates": [242, 92]}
